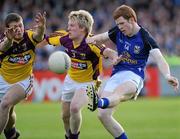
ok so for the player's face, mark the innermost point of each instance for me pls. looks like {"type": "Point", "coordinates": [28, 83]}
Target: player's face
{"type": "Point", "coordinates": [74, 29]}
{"type": "Point", "coordinates": [18, 28]}
{"type": "Point", "coordinates": [125, 26]}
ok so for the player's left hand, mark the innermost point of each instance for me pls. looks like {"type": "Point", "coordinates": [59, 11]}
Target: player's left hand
{"type": "Point", "coordinates": [40, 20]}
{"type": "Point", "coordinates": [173, 82]}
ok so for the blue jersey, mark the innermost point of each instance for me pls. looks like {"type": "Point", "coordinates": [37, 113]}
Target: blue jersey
{"type": "Point", "coordinates": [134, 50]}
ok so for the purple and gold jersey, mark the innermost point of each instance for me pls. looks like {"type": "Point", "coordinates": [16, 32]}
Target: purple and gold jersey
{"type": "Point", "coordinates": [86, 60]}
{"type": "Point", "coordinates": [17, 62]}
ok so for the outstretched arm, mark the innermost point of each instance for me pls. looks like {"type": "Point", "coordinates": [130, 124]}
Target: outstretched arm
{"type": "Point", "coordinates": [100, 38]}
{"type": "Point", "coordinates": [164, 68]}
{"type": "Point", "coordinates": [42, 43]}
{"type": "Point", "coordinates": [52, 39]}
{"type": "Point", "coordinates": [40, 20]}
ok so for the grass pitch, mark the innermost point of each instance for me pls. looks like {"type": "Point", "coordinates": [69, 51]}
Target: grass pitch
{"type": "Point", "coordinates": [142, 119]}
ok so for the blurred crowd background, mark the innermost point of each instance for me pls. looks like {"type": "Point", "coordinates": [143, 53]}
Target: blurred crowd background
{"type": "Point", "coordinates": [160, 17]}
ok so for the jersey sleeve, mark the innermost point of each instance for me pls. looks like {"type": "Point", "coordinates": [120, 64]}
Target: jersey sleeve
{"type": "Point", "coordinates": [112, 33]}
{"type": "Point", "coordinates": [30, 35]}
{"type": "Point", "coordinates": [97, 49]}
{"type": "Point", "coordinates": [149, 40]}
{"type": "Point", "coordinates": [55, 38]}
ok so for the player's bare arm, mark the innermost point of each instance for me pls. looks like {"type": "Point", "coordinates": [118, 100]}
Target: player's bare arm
{"type": "Point", "coordinates": [45, 41]}
{"type": "Point", "coordinates": [40, 26]}
{"type": "Point", "coordinates": [42, 43]}
{"type": "Point", "coordinates": [164, 68]}
{"type": "Point", "coordinates": [6, 43]}
{"type": "Point", "coordinates": [98, 38]}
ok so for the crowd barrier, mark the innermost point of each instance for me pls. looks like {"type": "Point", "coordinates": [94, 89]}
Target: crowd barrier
{"type": "Point", "coordinates": [48, 85]}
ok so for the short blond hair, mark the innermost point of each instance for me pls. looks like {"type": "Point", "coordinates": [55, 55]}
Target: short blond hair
{"type": "Point", "coordinates": [84, 19]}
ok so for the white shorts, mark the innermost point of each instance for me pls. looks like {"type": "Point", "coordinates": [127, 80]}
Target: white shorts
{"type": "Point", "coordinates": [70, 86]}
{"type": "Point", "coordinates": [26, 84]}
{"type": "Point", "coordinates": [122, 77]}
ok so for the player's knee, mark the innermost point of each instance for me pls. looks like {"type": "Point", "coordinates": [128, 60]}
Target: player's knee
{"type": "Point", "coordinates": [103, 115]}
{"type": "Point", "coordinates": [5, 104]}
{"type": "Point", "coordinates": [74, 109]}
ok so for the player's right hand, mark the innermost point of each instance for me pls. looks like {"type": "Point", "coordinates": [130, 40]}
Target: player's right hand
{"type": "Point", "coordinates": [9, 33]}
{"type": "Point", "coordinates": [40, 20]}
{"type": "Point", "coordinates": [173, 82]}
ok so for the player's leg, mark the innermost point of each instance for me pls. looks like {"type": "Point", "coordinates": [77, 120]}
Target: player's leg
{"type": "Point", "coordinates": [10, 130]}
{"type": "Point", "coordinates": [66, 117]}
{"type": "Point", "coordinates": [105, 115]}
{"type": "Point", "coordinates": [67, 95]}
{"type": "Point", "coordinates": [132, 84]}
{"type": "Point", "coordinates": [116, 91]}
{"type": "Point", "coordinates": [13, 96]}
{"type": "Point", "coordinates": [79, 100]}
{"type": "Point", "coordinates": [109, 123]}
{"type": "Point", "coordinates": [123, 92]}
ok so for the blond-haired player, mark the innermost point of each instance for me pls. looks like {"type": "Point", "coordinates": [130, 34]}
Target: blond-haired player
{"type": "Point", "coordinates": [17, 55]}
{"type": "Point", "coordinates": [84, 70]}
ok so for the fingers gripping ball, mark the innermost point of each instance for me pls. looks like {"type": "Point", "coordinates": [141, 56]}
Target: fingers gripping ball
{"type": "Point", "coordinates": [59, 62]}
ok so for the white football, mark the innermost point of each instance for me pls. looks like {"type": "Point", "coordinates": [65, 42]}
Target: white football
{"type": "Point", "coordinates": [59, 62]}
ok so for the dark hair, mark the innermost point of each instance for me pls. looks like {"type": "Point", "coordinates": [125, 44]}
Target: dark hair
{"type": "Point", "coordinates": [124, 11]}
{"type": "Point", "coordinates": [12, 17]}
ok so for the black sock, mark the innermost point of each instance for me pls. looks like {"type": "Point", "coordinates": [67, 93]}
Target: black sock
{"type": "Point", "coordinates": [66, 137]}
{"type": "Point", "coordinates": [74, 136]}
{"type": "Point", "coordinates": [9, 133]}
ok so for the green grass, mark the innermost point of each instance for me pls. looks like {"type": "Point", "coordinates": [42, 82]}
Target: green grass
{"type": "Point", "coordinates": [173, 60]}
{"type": "Point", "coordinates": [142, 119]}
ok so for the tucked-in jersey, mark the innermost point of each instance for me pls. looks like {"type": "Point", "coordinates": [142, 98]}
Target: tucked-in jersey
{"type": "Point", "coordinates": [17, 62]}
{"type": "Point", "coordinates": [134, 50]}
{"type": "Point", "coordinates": [86, 60]}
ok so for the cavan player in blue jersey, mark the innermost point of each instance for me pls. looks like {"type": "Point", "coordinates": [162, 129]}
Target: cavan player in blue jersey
{"type": "Point", "coordinates": [134, 44]}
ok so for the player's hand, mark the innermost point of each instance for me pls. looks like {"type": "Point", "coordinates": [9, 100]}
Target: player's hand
{"type": "Point", "coordinates": [173, 82]}
{"type": "Point", "coordinates": [40, 20]}
{"type": "Point", "coordinates": [9, 33]}
{"type": "Point", "coordinates": [116, 60]}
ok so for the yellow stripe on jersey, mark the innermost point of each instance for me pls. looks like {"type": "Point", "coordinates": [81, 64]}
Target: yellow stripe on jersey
{"type": "Point", "coordinates": [96, 49]}
{"type": "Point", "coordinates": [30, 35]}
{"type": "Point", "coordinates": [54, 38]}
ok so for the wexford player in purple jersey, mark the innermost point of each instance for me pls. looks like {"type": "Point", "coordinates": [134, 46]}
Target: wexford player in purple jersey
{"type": "Point", "coordinates": [17, 55]}
{"type": "Point", "coordinates": [134, 44]}
{"type": "Point", "coordinates": [85, 67]}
